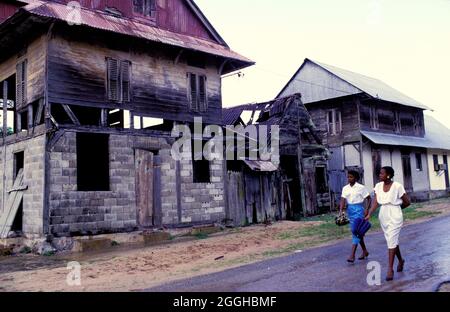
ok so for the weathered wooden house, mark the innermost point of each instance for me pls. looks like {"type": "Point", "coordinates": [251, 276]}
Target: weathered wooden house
{"type": "Point", "coordinates": [295, 185]}
{"type": "Point", "coordinates": [366, 124]}
{"type": "Point", "coordinates": [92, 95]}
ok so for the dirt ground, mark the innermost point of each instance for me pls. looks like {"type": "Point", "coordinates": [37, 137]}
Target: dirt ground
{"type": "Point", "coordinates": [134, 269]}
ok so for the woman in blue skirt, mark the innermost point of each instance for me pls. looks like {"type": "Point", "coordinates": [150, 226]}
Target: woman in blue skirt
{"type": "Point", "coordinates": [355, 197]}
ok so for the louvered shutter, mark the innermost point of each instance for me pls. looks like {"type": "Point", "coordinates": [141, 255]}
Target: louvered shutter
{"type": "Point", "coordinates": [21, 87]}
{"type": "Point", "coordinates": [203, 102]}
{"type": "Point", "coordinates": [113, 79]}
{"type": "Point", "coordinates": [125, 69]}
{"type": "Point", "coordinates": [193, 91]}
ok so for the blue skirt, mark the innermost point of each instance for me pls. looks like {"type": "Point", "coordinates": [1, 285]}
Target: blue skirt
{"type": "Point", "coordinates": [354, 212]}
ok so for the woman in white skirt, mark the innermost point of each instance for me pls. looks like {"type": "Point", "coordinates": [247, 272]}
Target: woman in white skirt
{"type": "Point", "coordinates": [393, 198]}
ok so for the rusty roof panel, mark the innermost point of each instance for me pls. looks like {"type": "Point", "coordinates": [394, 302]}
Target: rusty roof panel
{"type": "Point", "coordinates": [103, 21]}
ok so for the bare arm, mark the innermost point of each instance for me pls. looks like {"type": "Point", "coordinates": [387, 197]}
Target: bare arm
{"type": "Point", "coordinates": [406, 201]}
{"type": "Point", "coordinates": [373, 209]}
{"type": "Point", "coordinates": [342, 205]}
{"type": "Point", "coordinates": [367, 206]}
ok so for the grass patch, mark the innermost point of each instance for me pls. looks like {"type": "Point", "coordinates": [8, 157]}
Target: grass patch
{"type": "Point", "coordinates": [201, 236]}
{"type": "Point", "coordinates": [25, 250]}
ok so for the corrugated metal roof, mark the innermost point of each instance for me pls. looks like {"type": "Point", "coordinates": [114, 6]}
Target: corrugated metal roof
{"type": "Point", "coordinates": [437, 137]}
{"type": "Point", "coordinates": [125, 26]}
{"type": "Point", "coordinates": [262, 166]}
{"type": "Point", "coordinates": [437, 133]}
{"type": "Point", "coordinates": [373, 87]}
{"type": "Point", "coordinates": [396, 140]}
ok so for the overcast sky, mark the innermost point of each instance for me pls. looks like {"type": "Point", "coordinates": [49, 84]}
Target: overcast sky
{"type": "Point", "coordinates": [405, 43]}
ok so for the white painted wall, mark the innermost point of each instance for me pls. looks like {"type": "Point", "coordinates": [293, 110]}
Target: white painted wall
{"type": "Point", "coordinates": [368, 167]}
{"type": "Point", "coordinates": [437, 179]}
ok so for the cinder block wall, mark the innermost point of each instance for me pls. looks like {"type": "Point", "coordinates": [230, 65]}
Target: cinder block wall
{"type": "Point", "coordinates": [33, 199]}
{"type": "Point", "coordinates": [81, 213]}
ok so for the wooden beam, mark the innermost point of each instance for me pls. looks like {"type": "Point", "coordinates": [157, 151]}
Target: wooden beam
{"type": "Point", "coordinates": [71, 114]}
{"type": "Point", "coordinates": [30, 117]}
{"type": "Point", "coordinates": [5, 109]}
{"type": "Point", "coordinates": [104, 117]}
{"type": "Point", "coordinates": [39, 112]}
{"type": "Point", "coordinates": [177, 59]}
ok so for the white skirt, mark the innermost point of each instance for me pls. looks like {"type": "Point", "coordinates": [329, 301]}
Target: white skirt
{"type": "Point", "coordinates": [391, 219]}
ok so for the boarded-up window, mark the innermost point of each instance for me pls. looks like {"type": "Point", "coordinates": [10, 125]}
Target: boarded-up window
{"type": "Point", "coordinates": [21, 83]}
{"type": "Point", "coordinates": [198, 99]}
{"type": "Point", "coordinates": [118, 80]}
{"type": "Point", "coordinates": [145, 7]}
{"type": "Point", "coordinates": [92, 162]}
{"type": "Point", "coordinates": [334, 122]}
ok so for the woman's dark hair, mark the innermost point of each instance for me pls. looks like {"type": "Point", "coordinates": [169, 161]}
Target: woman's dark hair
{"type": "Point", "coordinates": [389, 170]}
{"type": "Point", "coordinates": [355, 174]}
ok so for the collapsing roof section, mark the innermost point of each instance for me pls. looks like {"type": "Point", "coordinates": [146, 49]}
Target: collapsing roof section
{"type": "Point", "coordinates": [39, 12]}
{"type": "Point", "coordinates": [321, 82]}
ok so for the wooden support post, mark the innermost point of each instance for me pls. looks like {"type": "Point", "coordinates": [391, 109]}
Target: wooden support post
{"type": "Point", "coordinates": [30, 117]}
{"type": "Point", "coordinates": [39, 112]}
{"type": "Point", "coordinates": [178, 187]}
{"type": "Point", "coordinates": [71, 114]}
{"type": "Point", "coordinates": [18, 122]}
{"type": "Point", "coordinates": [5, 109]}
{"type": "Point", "coordinates": [104, 117]}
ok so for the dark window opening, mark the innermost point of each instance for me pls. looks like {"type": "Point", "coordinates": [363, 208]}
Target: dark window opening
{"type": "Point", "coordinates": [87, 116]}
{"type": "Point", "coordinates": [145, 7]}
{"type": "Point", "coordinates": [17, 225]}
{"type": "Point", "coordinates": [234, 165]}
{"type": "Point", "coordinates": [321, 180]}
{"type": "Point", "coordinates": [23, 118]}
{"type": "Point", "coordinates": [60, 115]}
{"type": "Point", "coordinates": [198, 98]}
{"type": "Point", "coordinates": [419, 164]}
{"type": "Point", "coordinates": [201, 168]}
{"type": "Point", "coordinates": [92, 162]}
{"type": "Point", "coordinates": [436, 162]}
{"type": "Point", "coordinates": [19, 162]}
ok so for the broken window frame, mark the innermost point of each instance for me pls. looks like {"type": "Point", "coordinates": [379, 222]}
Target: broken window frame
{"type": "Point", "coordinates": [197, 92]}
{"type": "Point", "coordinates": [334, 121]}
{"type": "Point", "coordinates": [118, 80]}
{"type": "Point", "coordinates": [145, 8]}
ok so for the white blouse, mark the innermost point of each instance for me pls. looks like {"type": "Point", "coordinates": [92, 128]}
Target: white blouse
{"type": "Point", "coordinates": [393, 197]}
{"type": "Point", "coordinates": [355, 194]}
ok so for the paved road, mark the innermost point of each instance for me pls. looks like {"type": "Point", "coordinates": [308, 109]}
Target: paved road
{"type": "Point", "coordinates": [425, 246]}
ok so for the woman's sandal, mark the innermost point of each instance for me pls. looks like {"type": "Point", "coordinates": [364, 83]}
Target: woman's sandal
{"type": "Point", "coordinates": [364, 257]}
{"type": "Point", "coordinates": [390, 277]}
{"type": "Point", "coordinates": [351, 260]}
{"type": "Point", "coordinates": [401, 266]}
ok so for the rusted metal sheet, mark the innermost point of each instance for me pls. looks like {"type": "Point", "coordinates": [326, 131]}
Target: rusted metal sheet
{"type": "Point", "coordinates": [8, 8]}
{"type": "Point", "coordinates": [103, 21]}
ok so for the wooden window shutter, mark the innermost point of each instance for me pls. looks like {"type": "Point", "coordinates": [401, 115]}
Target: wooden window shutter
{"type": "Point", "coordinates": [193, 95]}
{"type": "Point", "coordinates": [203, 100]}
{"type": "Point", "coordinates": [113, 79]}
{"type": "Point", "coordinates": [21, 83]}
{"type": "Point", "coordinates": [125, 70]}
